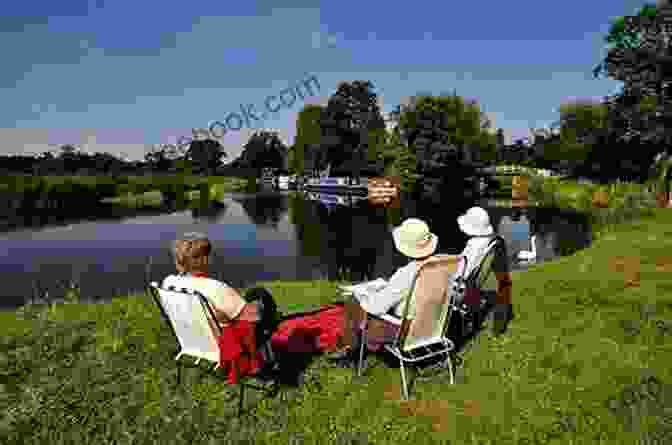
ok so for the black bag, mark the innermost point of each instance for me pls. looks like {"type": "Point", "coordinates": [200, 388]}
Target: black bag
{"type": "Point", "coordinates": [268, 312]}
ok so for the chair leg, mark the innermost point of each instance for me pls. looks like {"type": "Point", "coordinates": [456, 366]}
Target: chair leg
{"type": "Point", "coordinates": [449, 362]}
{"type": "Point", "coordinates": [267, 351]}
{"type": "Point", "coordinates": [362, 343]}
{"type": "Point", "coordinates": [240, 399]}
{"type": "Point", "coordinates": [404, 385]}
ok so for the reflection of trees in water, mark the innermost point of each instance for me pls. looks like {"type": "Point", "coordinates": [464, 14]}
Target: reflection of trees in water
{"type": "Point", "coordinates": [354, 243]}
{"type": "Point", "coordinates": [347, 239]}
{"type": "Point", "coordinates": [563, 231]}
{"type": "Point", "coordinates": [212, 213]}
{"type": "Point", "coordinates": [264, 210]}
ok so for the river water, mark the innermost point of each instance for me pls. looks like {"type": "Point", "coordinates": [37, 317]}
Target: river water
{"type": "Point", "coordinates": [257, 237]}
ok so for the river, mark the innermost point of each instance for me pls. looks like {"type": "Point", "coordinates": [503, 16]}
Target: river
{"type": "Point", "coordinates": [256, 237]}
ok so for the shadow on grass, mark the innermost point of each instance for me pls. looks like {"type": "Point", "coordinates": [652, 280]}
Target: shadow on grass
{"type": "Point", "coordinates": [302, 350]}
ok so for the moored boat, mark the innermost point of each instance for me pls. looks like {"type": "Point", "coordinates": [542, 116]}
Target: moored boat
{"type": "Point", "coordinates": [331, 200]}
{"type": "Point", "coordinates": [283, 182]}
{"type": "Point", "coordinates": [340, 184]}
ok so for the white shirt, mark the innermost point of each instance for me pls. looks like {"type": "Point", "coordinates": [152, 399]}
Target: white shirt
{"type": "Point", "coordinates": [399, 285]}
{"type": "Point", "coordinates": [396, 289]}
{"type": "Point", "coordinates": [474, 251]}
{"type": "Point", "coordinates": [215, 291]}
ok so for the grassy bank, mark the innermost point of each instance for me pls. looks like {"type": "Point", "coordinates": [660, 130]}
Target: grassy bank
{"type": "Point", "coordinates": [586, 361]}
{"type": "Point", "coordinates": [110, 185]}
{"type": "Point", "coordinates": [35, 194]}
{"type": "Point", "coordinates": [153, 199]}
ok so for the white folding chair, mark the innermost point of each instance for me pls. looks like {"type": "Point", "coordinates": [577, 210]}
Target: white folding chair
{"type": "Point", "coordinates": [422, 330]}
{"type": "Point", "coordinates": [186, 312]}
{"type": "Point", "coordinates": [472, 291]}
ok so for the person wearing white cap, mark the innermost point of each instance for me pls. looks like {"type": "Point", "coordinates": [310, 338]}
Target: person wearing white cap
{"type": "Point", "coordinates": [476, 224]}
{"type": "Point", "coordinates": [413, 239]}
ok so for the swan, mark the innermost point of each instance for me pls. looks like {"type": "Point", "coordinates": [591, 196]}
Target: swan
{"type": "Point", "coordinates": [526, 255]}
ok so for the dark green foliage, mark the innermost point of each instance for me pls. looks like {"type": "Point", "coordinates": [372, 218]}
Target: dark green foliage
{"type": "Point", "coordinates": [351, 127]}
{"type": "Point", "coordinates": [206, 154]}
{"type": "Point", "coordinates": [264, 149]}
{"type": "Point", "coordinates": [639, 56]}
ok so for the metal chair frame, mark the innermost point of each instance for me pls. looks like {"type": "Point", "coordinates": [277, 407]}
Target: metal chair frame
{"type": "Point", "coordinates": [456, 292]}
{"type": "Point", "coordinates": [155, 291]}
{"type": "Point", "coordinates": [436, 347]}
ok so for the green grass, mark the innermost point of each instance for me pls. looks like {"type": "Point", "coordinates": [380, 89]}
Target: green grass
{"type": "Point", "coordinates": [129, 191]}
{"type": "Point", "coordinates": [123, 184]}
{"type": "Point", "coordinates": [104, 373]}
{"type": "Point", "coordinates": [146, 200]}
{"type": "Point", "coordinates": [152, 199]}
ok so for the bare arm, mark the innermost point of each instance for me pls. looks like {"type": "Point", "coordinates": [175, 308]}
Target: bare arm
{"type": "Point", "coordinates": [248, 312]}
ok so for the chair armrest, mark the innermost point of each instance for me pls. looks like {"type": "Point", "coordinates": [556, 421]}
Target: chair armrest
{"type": "Point", "coordinates": [386, 317]}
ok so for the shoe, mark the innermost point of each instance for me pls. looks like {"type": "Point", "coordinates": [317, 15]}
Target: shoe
{"type": "Point", "coordinates": [344, 354]}
{"type": "Point", "coordinates": [266, 374]}
{"type": "Point", "coordinates": [502, 315]}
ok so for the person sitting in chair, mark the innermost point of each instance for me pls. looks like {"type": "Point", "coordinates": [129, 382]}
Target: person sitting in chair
{"type": "Point", "coordinates": [476, 223]}
{"type": "Point", "coordinates": [414, 239]}
{"type": "Point", "coordinates": [192, 258]}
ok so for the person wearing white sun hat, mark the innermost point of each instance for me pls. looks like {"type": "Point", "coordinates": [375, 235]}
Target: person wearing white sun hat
{"type": "Point", "coordinates": [413, 239]}
{"type": "Point", "coordinates": [476, 223]}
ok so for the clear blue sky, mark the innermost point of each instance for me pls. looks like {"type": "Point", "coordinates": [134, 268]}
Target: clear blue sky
{"type": "Point", "coordinates": [126, 73]}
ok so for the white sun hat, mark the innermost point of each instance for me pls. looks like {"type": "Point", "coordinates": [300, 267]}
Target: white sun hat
{"type": "Point", "coordinates": [413, 238]}
{"type": "Point", "coordinates": [476, 222]}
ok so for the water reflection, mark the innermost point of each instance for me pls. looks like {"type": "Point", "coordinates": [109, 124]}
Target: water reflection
{"type": "Point", "coordinates": [346, 238]}
{"type": "Point", "coordinates": [212, 213]}
{"type": "Point", "coordinates": [259, 237]}
{"type": "Point", "coordinates": [264, 209]}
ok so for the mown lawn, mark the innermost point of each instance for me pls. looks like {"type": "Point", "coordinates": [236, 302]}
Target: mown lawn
{"type": "Point", "coordinates": [586, 361]}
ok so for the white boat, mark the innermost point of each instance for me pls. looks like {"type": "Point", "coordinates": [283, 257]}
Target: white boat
{"type": "Point", "coordinates": [331, 200]}
{"type": "Point", "coordinates": [283, 182]}
{"type": "Point", "coordinates": [337, 184]}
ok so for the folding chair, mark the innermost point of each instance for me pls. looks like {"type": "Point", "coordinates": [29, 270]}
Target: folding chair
{"type": "Point", "coordinates": [186, 312]}
{"type": "Point", "coordinates": [422, 332]}
{"type": "Point", "coordinates": [472, 291]}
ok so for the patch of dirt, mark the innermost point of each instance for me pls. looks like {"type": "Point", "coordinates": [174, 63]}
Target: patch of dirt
{"type": "Point", "coordinates": [436, 410]}
{"type": "Point", "coordinates": [629, 267]}
{"type": "Point", "coordinates": [392, 391]}
{"type": "Point", "coordinates": [664, 264]}
{"type": "Point", "coordinates": [472, 408]}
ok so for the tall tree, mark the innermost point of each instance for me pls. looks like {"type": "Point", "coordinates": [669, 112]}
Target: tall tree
{"type": "Point", "coordinates": [161, 156]}
{"type": "Point", "coordinates": [399, 160]}
{"type": "Point", "coordinates": [264, 149]}
{"type": "Point", "coordinates": [206, 154]}
{"type": "Point", "coordinates": [307, 139]}
{"type": "Point", "coordinates": [446, 134]}
{"type": "Point", "coordinates": [68, 157]}
{"type": "Point", "coordinates": [352, 125]}
{"type": "Point", "coordinates": [639, 55]}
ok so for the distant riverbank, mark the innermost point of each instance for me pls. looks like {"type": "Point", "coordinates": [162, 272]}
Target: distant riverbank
{"type": "Point", "coordinates": [23, 196]}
